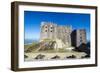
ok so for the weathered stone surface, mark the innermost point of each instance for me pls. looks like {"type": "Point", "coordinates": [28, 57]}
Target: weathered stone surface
{"type": "Point", "coordinates": [51, 31]}
{"type": "Point", "coordinates": [55, 57]}
{"type": "Point", "coordinates": [25, 56]}
{"type": "Point", "coordinates": [72, 56]}
{"type": "Point", "coordinates": [40, 56]}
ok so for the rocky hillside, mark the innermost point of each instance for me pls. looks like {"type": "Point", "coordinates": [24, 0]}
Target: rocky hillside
{"type": "Point", "coordinates": [46, 45]}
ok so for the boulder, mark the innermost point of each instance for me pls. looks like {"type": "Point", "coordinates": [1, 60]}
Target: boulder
{"type": "Point", "coordinates": [72, 56]}
{"type": "Point", "coordinates": [55, 57]}
{"type": "Point", "coordinates": [40, 56]}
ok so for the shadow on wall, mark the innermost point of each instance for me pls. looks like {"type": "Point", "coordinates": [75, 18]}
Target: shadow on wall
{"type": "Point", "coordinates": [83, 48]}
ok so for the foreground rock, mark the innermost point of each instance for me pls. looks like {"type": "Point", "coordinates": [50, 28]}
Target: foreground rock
{"type": "Point", "coordinates": [25, 56]}
{"type": "Point", "coordinates": [40, 56]}
{"type": "Point", "coordinates": [55, 57]}
{"type": "Point", "coordinates": [73, 56]}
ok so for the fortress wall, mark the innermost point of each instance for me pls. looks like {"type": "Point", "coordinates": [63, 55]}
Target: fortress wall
{"type": "Point", "coordinates": [52, 31]}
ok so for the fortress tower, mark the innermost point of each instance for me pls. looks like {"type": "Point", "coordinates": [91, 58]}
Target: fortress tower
{"type": "Point", "coordinates": [52, 31]}
{"type": "Point", "coordinates": [78, 37]}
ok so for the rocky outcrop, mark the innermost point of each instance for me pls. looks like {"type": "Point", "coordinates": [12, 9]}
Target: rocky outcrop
{"type": "Point", "coordinates": [44, 45]}
{"type": "Point", "coordinates": [40, 56]}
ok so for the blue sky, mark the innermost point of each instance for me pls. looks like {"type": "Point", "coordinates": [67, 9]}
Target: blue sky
{"type": "Point", "coordinates": [33, 19]}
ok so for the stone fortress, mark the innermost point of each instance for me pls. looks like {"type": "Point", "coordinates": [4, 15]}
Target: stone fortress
{"type": "Point", "coordinates": [64, 36]}
{"type": "Point", "coordinates": [58, 42]}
